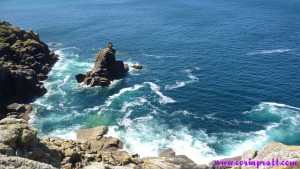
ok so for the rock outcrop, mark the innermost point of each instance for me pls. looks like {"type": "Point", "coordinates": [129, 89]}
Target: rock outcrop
{"type": "Point", "coordinates": [106, 69]}
{"type": "Point", "coordinates": [24, 62]}
{"type": "Point", "coordinates": [19, 111]}
{"type": "Point", "coordinates": [21, 163]}
{"type": "Point", "coordinates": [17, 138]}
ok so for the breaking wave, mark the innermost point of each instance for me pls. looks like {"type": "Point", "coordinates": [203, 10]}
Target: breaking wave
{"type": "Point", "coordinates": [159, 56]}
{"type": "Point", "coordinates": [280, 121]}
{"type": "Point", "coordinates": [262, 52]}
{"type": "Point", "coordinates": [179, 84]}
{"type": "Point", "coordinates": [163, 99]}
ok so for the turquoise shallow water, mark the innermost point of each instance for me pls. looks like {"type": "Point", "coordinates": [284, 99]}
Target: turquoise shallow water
{"type": "Point", "coordinates": [219, 76]}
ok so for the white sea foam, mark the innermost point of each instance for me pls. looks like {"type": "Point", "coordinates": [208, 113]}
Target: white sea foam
{"type": "Point", "coordinates": [137, 102]}
{"type": "Point", "coordinates": [145, 118]}
{"type": "Point", "coordinates": [39, 102]}
{"type": "Point", "coordinates": [32, 116]}
{"type": "Point", "coordinates": [149, 141]}
{"type": "Point", "coordinates": [54, 44]}
{"type": "Point", "coordinates": [183, 112]}
{"type": "Point", "coordinates": [254, 140]}
{"type": "Point", "coordinates": [261, 52]}
{"type": "Point", "coordinates": [96, 108]}
{"type": "Point", "coordinates": [163, 99]}
{"type": "Point", "coordinates": [122, 91]}
{"type": "Point", "coordinates": [159, 56]}
{"type": "Point", "coordinates": [131, 63]}
{"type": "Point", "coordinates": [68, 60]}
{"type": "Point", "coordinates": [180, 84]}
{"type": "Point", "coordinates": [279, 105]}
{"type": "Point", "coordinates": [197, 68]}
{"type": "Point", "coordinates": [110, 99]}
{"type": "Point", "coordinates": [66, 133]}
{"type": "Point", "coordinates": [288, 122]}
{"type": "Point", "coordinates": [112, 131]}
{"type": "Point", "coordinates": [184, 143]}
{"type": "Point", "coordinates": [232, 121]}
{"type": "Point", "coordinates": [141, 137]}
{"type": "Point", "coordinates": [115, 83]}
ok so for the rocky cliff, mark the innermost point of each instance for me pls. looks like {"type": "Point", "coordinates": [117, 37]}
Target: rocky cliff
{"type": "Point", "coordinates": [106, 69]}
{"type": "Point", "coordinates": [24, 62]}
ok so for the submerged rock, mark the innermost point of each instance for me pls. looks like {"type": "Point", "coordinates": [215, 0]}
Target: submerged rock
{"type": "Point", "coordinates": [138, 66]}
{"type": "Point", "coordinates": [106, 69]}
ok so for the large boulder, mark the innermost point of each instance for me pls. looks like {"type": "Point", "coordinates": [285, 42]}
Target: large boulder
{"type": "Point", "coordinates": [18, 138]}
{"type": "Point", "coordinates": [158, 163]}
{"type": "Point", "coordinates": [106, 69]}
{"type": "Point", "coordinates": [168, 153]}
{"type": "Point", "coordinates": [99, 142]}
{"type": "Point", "coordinates": [93, 133]}
{"type": "Point", "coordinates": [19, 111]}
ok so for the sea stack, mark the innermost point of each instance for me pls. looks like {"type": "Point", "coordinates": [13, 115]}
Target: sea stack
{"type": "Point", "coordinates": [106, 69]}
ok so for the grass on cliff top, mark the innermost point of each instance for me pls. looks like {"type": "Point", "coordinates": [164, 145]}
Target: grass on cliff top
{"type": "Point", "coordinates": [5, 31]}
{"type": "Point", "coordinates": [8, 32]}
{"type": "Point", "coordinates": [2, 45]}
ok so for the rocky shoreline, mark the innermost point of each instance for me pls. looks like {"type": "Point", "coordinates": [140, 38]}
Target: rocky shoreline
{"type": "Point", "coordinates": [19, 144]}
{"type": "Point", "coordinates": [25, 62]}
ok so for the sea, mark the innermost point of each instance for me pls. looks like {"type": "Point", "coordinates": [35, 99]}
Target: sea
{"type": "Point", "coordinates": [219, 76]}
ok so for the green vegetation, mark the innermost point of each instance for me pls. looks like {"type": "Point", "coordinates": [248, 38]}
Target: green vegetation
{"type": "Point", "coordinates": [2, 45]}
{"type": "Point", "coordinates": [5, 127]}
{"type": "Point", "coordinates": [3, 34]}
{"type": "Point", "coordinates": [21, 140]}
{"type": "Point", "coordinates": [5, 31]}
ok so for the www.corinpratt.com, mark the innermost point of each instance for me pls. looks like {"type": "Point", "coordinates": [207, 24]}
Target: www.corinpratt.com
{"type": "Point", "coordinates": [258, 164]}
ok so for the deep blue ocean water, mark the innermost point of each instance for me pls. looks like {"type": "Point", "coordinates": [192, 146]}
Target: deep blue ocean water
{"type": "Point", "coordinates": [219, 77]}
